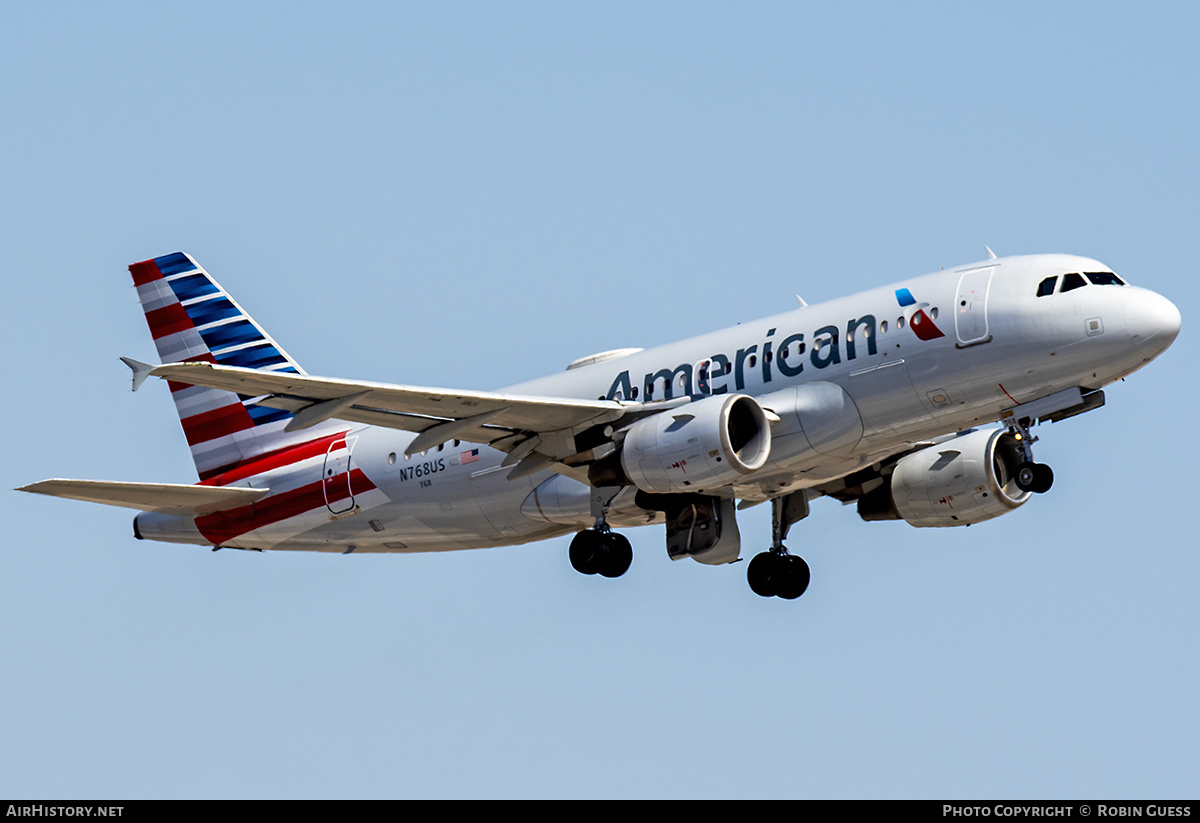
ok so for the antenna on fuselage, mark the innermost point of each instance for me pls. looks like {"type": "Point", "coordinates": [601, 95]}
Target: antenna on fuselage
{"type": "Point", "coordinates": [991, 254]}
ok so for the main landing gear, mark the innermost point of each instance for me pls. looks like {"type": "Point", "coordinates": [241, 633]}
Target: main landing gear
{"type": "Point", "coordinates": [776, 573]}
{"type": "Point", "coordinates": [1030, 476]}
{"type": "Point", "coordinates": [600, 550]}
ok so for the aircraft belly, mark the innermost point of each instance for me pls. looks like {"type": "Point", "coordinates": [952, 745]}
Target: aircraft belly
{"type": "Point", "coordinates": [500, 499]}
{"type": "Point", "coordinates": [565, 501]}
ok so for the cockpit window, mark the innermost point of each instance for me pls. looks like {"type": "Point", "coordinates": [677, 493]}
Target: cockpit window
{"type": "Point", "coordinates": [1104, 278]}
{"type": "Point", "coordinates": [1071, 281]}
{"type": "Point", "coordinates": [1047, 286]}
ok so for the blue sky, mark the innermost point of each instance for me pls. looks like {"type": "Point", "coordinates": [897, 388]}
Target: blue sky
{"type": "Point", "coordinates": [472, 195]}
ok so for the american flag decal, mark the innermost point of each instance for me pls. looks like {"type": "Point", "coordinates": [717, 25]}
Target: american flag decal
{"type": "Point", "coordinates": [471, 456]}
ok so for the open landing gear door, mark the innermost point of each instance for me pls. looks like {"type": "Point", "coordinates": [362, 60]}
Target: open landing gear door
{"type": "Point", "coordinates": [705, 529]}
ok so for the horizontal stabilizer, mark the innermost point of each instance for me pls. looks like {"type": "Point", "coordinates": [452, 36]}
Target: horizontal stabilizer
{"type": "Point", "coordinates": [168, 498]}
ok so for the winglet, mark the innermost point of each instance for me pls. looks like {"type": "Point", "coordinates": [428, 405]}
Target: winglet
{"type": "Point", "coordinates": [991, 254]}
{"type": "Point", "coordinates": [140, 371]}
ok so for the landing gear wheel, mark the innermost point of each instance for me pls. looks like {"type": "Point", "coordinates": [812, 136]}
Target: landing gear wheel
{"type": "Point", "coordinates": [763, 574]}
{"type": "Point", "coordinates": [796, 575]}
{"type": "Point", "coordinates": [596, 552]}
{"type": "Point", "coordinates": [587, 552]}
{"type": "Point", "coordinates": [620, 555]}
{"type": "Point", "coordinates": [1034, 477]}
{"type": "Point", "coordinates": [1043, 478]}
{"type": "Point", "coordinates": [778, 575]}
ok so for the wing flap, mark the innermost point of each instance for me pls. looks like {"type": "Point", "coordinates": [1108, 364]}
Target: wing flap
{"type": "Point", "coordinates": [168, 498]}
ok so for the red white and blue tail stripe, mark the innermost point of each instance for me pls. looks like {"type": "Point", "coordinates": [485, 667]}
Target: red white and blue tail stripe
{"type": "Point", "coordinates": [192, 318]}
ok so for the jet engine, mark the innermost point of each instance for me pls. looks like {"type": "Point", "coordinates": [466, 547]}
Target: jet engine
{"type": "Point", "coordinates": [703, 445]}
{"type": "Point", "coordinates": [965, 480]}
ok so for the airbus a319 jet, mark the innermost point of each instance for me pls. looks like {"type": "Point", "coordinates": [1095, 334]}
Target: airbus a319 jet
{"type": "Point", "coordinates": [889, 399]}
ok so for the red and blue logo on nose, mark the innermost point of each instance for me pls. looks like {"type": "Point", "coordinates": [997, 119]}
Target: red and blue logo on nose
{"type": "Point", "coordinates": [922, 324]}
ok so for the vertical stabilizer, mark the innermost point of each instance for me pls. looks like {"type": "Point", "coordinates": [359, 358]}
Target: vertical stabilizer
{"type": "Point", "coordinates": [192, 318]}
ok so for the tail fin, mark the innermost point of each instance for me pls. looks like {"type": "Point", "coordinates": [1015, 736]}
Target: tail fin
{"type": "Point", "coordinates": [192, 318]}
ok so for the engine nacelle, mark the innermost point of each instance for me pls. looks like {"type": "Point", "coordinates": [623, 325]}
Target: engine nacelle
{"type": "Point", "coordinates": [704, 445]}
{"type": "Point", "coordinates": [966, 480]}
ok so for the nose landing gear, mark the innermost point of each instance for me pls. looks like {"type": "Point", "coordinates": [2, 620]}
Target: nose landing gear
{"type": "Point", "coordinates": [1030, 476]}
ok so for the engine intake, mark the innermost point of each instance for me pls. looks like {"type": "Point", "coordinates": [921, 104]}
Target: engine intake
{"type": "Point", "coordinates": [701, 446]}
{"type": "Point", "coordinates": [966, 480]}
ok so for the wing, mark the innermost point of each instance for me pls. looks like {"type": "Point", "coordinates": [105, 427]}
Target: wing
{"type": "Point", "coordinates": [169, 498]}
{"type": "Point", "coordinates": [537, 432]}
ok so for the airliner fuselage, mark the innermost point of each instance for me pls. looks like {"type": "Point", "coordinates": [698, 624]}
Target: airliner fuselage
{"type": "Point", "coordinates": [868, 397]}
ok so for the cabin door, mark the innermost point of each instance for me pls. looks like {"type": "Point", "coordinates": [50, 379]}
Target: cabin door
{"type": "Point", "coordinates": [970, 307]}
{"type": "Point", "coordinates": [335, 476]}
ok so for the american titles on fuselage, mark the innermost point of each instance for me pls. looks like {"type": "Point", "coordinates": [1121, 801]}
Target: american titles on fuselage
{"type": "Point", "coordinates": [784, 356]}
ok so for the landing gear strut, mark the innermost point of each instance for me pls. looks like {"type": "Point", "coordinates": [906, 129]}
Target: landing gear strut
{"type": "Point", "coordinates": [776, 573]}
{"type": "Point", "coordinates": [1030, 476]}
{"type": "Point", "coordinates": [600, 550]}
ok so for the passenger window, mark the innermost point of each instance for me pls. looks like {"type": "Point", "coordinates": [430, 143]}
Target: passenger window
{"type": "Point", "coordinates": [1071, 281]}
{"type": "Point", "coordinates": [1047, 286]}
{"type": "Point", "coordinates": [1104, 278]}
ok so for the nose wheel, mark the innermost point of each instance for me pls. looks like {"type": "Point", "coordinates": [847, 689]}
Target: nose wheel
{"type": "Point", "coordinates": [1034, 477]}
{"type": "Point", "coordinates": [1030, 476]}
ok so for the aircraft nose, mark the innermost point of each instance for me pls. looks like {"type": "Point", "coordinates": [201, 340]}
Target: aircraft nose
{"type": "Point", "coordinates": [1153, 322]}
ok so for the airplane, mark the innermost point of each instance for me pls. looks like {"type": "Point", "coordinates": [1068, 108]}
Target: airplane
{"type": "Point", "coordinates": [914, 401]}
